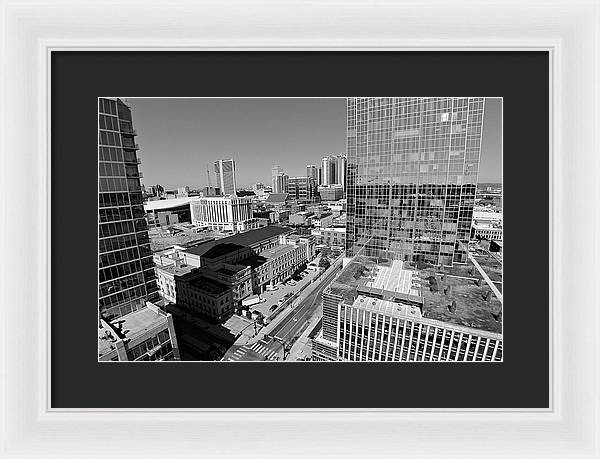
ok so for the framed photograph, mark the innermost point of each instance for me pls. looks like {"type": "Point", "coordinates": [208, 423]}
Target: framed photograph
{"type": "Point", "coordinates": [287, 226]}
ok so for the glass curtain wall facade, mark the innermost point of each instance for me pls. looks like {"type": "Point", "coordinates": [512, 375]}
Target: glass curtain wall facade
{"type": "Point", "coordinates": [412, 176]}
{"type": "Point", "coordinates": [225, 172]}
{"type": "Point", "coordinates": [126, 270]}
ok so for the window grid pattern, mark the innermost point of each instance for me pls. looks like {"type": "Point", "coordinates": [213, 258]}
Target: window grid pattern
{"type": "Point", "coordinates": [126, 274]}
{"type": "Point", "coordinates": [371, 336]}
{"type": "Point", "coordinates": [412, 176]}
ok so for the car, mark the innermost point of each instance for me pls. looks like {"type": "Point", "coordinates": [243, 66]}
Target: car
{"type": "Point", "coordinates": [292, 283]}
{"type": "Point", "coordinates": [272, 308]}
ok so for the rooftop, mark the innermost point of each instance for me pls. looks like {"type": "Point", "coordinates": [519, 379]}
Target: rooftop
{"type": "Point", "coordinates": [487, 215]}
{"type": "Point", "coordinates": [255, 236]}
{"type": "Point", "coordinates": [165, 204]}
{"type": "Point", "coordinates": [247, 239]}
{"type": "Point", "coordinates": [389, 308]}
{"type": "Point", "coordinates": [176, 270]}
{"type": "Point", "coordinates": [446, 297]}
{"type": "Point", "coordinates": [230, 270]}
{"type": "Point", "coordinates": [208, 285]}
{"type": "Point", "coordinates": [277, 197]}
{"type": "Point", "coordinates": [333, 228]}
{"type": "Point", "coordinates": [277, 251]}
{"type": "Point", "coordinates": [221, 249]}
{"type": "Point", "coordinates": [129, 326]}
{"type": "Point", "coordinates": [386, 279]}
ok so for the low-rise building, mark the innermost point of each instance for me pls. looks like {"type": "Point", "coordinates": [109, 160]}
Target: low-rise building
{"type": "Point", "coordinates": [278, 264]}
{"type": "Point", "coordinates": [325, 220]}
{"type": "Point", "coordinates": [331, 192]}
{"type": "Point", "coordinates": [238, 277]}
{"type": "Point", "coordinates": [301, 218]}
{"type": "Point", "coordinates": [166, 212]}
{"type": "Point", "coordinates": [146, 334]}
{"type": "Point", "coordinates": [205, 296]}
{"type": "Point", "coordinates": [487, 225]}
{"type": "Point", "coordinates": [277, 201]}
{"type": "Point", "coordinates": [331, 237]}
{"type": "Point", "coordinates": [234, 268]}
{"type": "Point", "coordinates": [166, 277]}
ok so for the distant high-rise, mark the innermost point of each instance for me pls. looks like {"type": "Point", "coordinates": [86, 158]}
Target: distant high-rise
{"type": "Point", "coordinates": [328, 165]}
{"type": "Point", "coordinates": [312, 172]}
{"type": "Point", "coordinates": [340, 170]}
{"type": "Point", "coordinates": [412, 176]}
{"type": "Point", "coordinates": [126, 270]}
{"type": "Point", "coordinates": [302, 189]}
{"type": "Point", "coordinates": [225, 173]}
{"type": "Point", "coordinates": [279, 180]}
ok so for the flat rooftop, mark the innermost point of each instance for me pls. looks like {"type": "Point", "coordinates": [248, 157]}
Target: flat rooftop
{"type": "Point", "coordinates": [221, 248]}
{"type": "Point", "coordinates": [246, 239]}
{"type": "Point", "coordinates": [129, 326]}
{"type": "Point", "coordinates": [277, 251]}
{"type": "Point", "coordinates": [424, 288]}
{"type": "Point", "coordinates": [230, 270]}
{"type": "Point", "coordinates": [389, 308]}
{"type": "Point", "coordinates": [386, 279]}
{"type": "Point", "coordinates": [209, 285]}
{"type": "Point", "coordinates": [334, 228]}
{"type": "Point", "coordinates": [180, 270]}
{"type": "Point", "coordinates": [395, 278]}
{"type": "Point", "coordinates": [165, 204]}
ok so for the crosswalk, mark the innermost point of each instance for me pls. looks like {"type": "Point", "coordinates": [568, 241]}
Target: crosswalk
{"type": "Point", "coordinates": [258, 348]}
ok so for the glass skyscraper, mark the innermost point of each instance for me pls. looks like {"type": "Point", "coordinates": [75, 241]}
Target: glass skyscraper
{"type": "Point", "coordinates": [225, 172]}
{"type": "Point", "coordinates": [126, 270]}
{"type": "Point", "coordinates": [412, 176]}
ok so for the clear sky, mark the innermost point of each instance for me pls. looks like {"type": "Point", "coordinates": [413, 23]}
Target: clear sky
{"type": "Point", "coordinates": [179, 138]}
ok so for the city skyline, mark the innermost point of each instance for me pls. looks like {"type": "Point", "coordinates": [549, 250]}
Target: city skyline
{"type": "Point", "coordinates": [384, 262]}
{"type": "Point", "coordinates": [258, 134]}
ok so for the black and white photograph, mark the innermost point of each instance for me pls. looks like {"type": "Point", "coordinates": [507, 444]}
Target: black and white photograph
{"type": "Point", "coordinates": [358, 229]}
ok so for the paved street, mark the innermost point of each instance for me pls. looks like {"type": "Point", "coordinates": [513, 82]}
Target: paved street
{"type": "Point", "coordinates": [256, 351]}
{"type": "Point", "coordinates": [287, 330]}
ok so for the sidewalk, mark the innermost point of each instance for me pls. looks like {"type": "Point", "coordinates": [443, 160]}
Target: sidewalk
{"type": "Point", "coordinates": [300, 347]}
{"type": "Point", "coordinates": [285, 313]}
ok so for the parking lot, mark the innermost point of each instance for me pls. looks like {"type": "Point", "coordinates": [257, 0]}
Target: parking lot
{"type": "Point", "coordinates": [273, 297]}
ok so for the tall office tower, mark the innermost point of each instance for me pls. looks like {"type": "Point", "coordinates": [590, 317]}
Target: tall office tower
{"type": "Point", "coordinates": [340, 170]}
{"type": "Point", "coordinates": [320, 176]}
{"type": "Point", "coordinates": [412, 176]}
{"type": "Point", "coordinates": [225, 173]}
{"type": "Point", "coordinates": [328, 166]}
{"type": "Point", "coordinates": [279, 180]}
{"type": "Point", "coordinates": [281, 183]}
{"type": "Point", "coordinates": [126, 269]}
{"type": "Point", "coordinates": [312, 172]}
{"type": "Point", "coordinates": [276, 171]}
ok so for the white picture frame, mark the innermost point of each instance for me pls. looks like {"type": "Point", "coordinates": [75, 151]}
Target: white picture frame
{"type": "Point", "coordinates": [568, 29]}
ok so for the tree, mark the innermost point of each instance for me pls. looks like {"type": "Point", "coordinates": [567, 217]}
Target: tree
{"type": "Point", "coordinates": [324, 262]}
